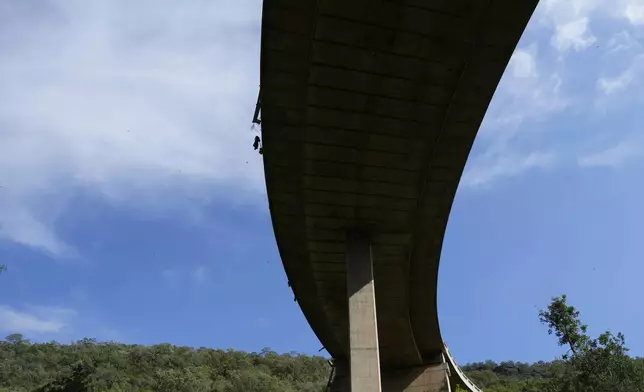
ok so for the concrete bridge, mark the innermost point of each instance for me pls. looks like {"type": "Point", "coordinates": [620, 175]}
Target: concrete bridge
{"type": "Point", "coordinates": [368, 110]}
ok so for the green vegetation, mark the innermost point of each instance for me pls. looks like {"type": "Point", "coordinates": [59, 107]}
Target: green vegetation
{"type": "Point", "coordinates": [591, 365]}
{"type": "Point", "coordinates": [87, 365]}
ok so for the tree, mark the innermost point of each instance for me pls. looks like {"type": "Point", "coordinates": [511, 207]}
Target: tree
{"type": "Point", "coordinates": [596, 365]}
{"type": "Point", "coordinates": [14, 338]}
{"type": "Point", "coordinates": [563, 321]}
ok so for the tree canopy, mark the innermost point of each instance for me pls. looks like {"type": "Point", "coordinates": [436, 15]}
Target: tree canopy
{"type": "Point", "coordinates": [88, 365]}
{"type": "Point", "coordinates": [597, 364]}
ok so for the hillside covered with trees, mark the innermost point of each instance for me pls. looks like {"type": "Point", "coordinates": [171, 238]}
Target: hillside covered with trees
{"type": "Point", "coordinates": [113, 366]}
{"type": "Point", "coordinates": [87, 365]}
{"type": "Point", "coordinates": [591, 365]}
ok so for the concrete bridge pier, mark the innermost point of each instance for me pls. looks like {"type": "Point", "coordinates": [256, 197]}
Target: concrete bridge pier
{"type": "Point", "coordinates": [364, 356]}
{"type": "Point", "coordinates": [362, 371]}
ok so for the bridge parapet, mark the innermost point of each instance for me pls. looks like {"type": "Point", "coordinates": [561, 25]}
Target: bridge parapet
{"type": "Point", "coordinates": [458, 376]}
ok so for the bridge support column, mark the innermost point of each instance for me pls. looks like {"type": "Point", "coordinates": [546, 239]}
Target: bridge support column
{"type": "Point", "coordinates": [364, 354]}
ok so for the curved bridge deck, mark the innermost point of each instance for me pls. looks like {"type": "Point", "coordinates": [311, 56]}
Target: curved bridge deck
{"type": "Point", "coordinates": [369, 109]}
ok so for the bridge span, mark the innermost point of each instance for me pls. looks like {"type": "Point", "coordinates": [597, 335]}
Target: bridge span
{"type": "Point", "coordinates": [369, 109]}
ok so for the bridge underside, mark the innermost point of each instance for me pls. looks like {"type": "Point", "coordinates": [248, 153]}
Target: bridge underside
{"type": "Point", "coordinates": [369, 109]}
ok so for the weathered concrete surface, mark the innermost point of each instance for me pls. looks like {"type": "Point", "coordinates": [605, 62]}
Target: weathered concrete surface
{"type": "Point", "coordinates": [428, 378]}
{"type": "Point", "coordinates": [363, 331]}
{"type": "Point", "coordinates": [369, 109]}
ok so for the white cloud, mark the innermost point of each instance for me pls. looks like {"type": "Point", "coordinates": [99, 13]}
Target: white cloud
{"type": "Point", "coordinates": [64, 324]}
{"type": "Point", "coordinates": [541, 83]}
{"type": "Point", "coordinates": [634, 12]}
{"type": "Point", "coordinates": [488, 169]}
{"type": "Point", "coordinates": [19, 223]}
{"type": "Point", "coordinates": [35, 320]}
{"type": "Point", "coordinates": [613, 156]}
{"type": "Point", "coordinates": [573, 35]}
{"type": "Point", "coordinates": [622, 41]}
{"type": "Point", "coordinates": [627, 78]}
{"type": "Point", "coordinates": [571, 20]}
{"type": "Point", "coordinates": [523, 64]}
{"type": "Point", "coordinates": [135, 102]}
{"type": "Point", "coordinates": [612, 85]}
{"type": "Point", "coordinates": [525, 93]}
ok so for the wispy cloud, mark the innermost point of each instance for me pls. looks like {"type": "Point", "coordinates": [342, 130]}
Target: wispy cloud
{"type": "Point", "coordinates": [526, 94]}
{"type": "Point", "coordinates": [614, 156]}
{"type": "Point", "coordinates": [571, 20]}
{"type": "Point", "coordinates": [634, 12]}
{"type": "Point", "coordinates": [627, 78]}
{"type": "Point", "coordinates": [35, 320]}
{"type": "Point", "coordinates": [573, 35]}
{"type": "Point", "coordinates": [53, 322]}
{"type": "Point", "coordinates": [615, 84]}
{"type": "Point", "coordinates": [570, 23]}
{"type": "Point", "coordinates": [622, 41]}
{"type": "Point", "coordinates": [548, 86]}
{"type": "Point", "coordinates": [135, 102]}
{"type": "Point", "coordinates": [489, 169]}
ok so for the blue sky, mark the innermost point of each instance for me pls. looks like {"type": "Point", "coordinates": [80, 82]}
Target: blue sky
{"type": "Point", "coordinates": [133, 208]}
